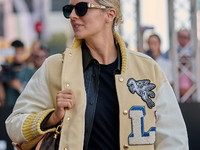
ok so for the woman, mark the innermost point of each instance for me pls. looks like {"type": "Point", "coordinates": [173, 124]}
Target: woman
{"type": "Point", "coordinates": [106, 96]}
{"type": "Point", "coordinates": [166, 65]}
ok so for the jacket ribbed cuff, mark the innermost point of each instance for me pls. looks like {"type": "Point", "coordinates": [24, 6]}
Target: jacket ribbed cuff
{"type": "Point", "coordinates": [31, 126]}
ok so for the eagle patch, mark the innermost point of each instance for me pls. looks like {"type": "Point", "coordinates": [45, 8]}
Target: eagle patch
{"type": "Point", "coordinates": [144, 89]}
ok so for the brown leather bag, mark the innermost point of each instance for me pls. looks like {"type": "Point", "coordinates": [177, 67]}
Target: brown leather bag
{"type": "Point", "coordinates": [48, 141]}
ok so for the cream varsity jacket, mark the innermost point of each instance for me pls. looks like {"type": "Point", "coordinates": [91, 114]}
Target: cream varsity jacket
{"type": "Point", "coordinates": [150, 117]}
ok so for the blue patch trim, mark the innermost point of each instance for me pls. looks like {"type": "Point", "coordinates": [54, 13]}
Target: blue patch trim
{"type": "Point", "coordinates": [138, 108]}
{"type": "Point", "coordinates": [144, 134]}
{"type": "Point", "coordinates": [135, 108]}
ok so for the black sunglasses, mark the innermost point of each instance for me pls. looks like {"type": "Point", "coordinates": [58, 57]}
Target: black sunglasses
{"type": "Point", "coordinates": [80, 8]}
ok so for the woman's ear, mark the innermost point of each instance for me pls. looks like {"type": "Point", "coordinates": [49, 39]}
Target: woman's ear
{"type": "Point", "coordinates": [111, 14]}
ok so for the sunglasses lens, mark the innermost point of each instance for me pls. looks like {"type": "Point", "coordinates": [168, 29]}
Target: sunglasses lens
{"type": "Point", "coordinates": [67, 10]}
{"type": "Point", "coordinates": [81, 9]}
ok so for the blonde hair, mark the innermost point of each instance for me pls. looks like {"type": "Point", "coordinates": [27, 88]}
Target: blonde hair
{"type": "Point", "coordinates": [113, 4]}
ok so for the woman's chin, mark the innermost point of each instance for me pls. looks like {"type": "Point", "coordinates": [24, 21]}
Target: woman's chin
{"type": "Point", "coordinates": [78, 36]}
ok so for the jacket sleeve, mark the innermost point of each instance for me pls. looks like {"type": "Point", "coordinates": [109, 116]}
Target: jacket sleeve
{"type": "Point", "coordinates": [170, 127]}
{"type": "Point", "coordinates": [31, 108]}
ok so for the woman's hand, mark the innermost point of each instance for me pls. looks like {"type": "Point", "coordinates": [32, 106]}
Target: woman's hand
{"type": "Point", "coordinates": [64, 100]}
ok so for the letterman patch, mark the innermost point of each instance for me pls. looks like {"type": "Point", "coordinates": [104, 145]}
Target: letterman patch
{"type": "Point", "coordinates": [138, 136]}
{"type": "Point", "coordinates": [143, 89]}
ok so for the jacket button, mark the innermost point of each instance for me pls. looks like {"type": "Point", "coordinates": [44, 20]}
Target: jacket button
{"type": "Point", "coordinates": [125, 112]}
{"type": "Point", "coordinates": [121, 79]}
{"type": "Point", "coordinates": [68, 119]}
{"type": "Point", "coordinates": [70, 54]}
{"type": "Point", "coordinates": [65, 148]}
{"type": "Point", "coordinates": [67, 85]}
{"type": "Point", "coordinates": [92, 102]}
{"type": "Point", "coordinates": [126, 146]}
{"type": "Point", "coordinates": [93, 75]}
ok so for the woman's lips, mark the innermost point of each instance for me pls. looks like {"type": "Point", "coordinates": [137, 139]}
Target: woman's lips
{"type": "Point", "coordinates": [77, 26]}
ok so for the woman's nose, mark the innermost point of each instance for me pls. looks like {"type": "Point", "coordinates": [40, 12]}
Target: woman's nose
{"type": "Point", "coordinates": [73, 14]}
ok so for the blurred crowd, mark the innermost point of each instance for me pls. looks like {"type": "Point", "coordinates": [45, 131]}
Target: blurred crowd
{"type": "Point", "coordinates": [16, 69]}
{"type": "Point", "coordinates": [183, 54]}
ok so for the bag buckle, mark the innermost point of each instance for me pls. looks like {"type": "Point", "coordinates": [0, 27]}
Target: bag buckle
{"type": "Point", "coordinates": [58, 130]}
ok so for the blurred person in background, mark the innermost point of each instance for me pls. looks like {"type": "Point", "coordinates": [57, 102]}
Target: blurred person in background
{"type": "Point", "coordinates": [34, 49]}
{"type": "Point", "coordinates": [154, 51]}
{"type": "Point", "coordinates": [40, 56]}
{"type": "Point", "coordinates": [184, 53]}
{"type": "Point", "coordinates": [183, 43]}
{"type": "Point", "coordinates": [2, 61]}
{"type": "Point", "coordinates": [106, 96]}
{"type": "Point", "coordinates": [2, 94]}
{"type": "Point", "coordinates": [15, 75]}
{"type": "Point", "coordinates": [184, 39]}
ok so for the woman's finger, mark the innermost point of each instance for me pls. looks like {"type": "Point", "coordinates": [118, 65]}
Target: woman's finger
{"type": "Point", "coordinates": [68, 105]}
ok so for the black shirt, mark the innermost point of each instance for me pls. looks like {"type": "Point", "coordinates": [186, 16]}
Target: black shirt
{"type": "Point", "coordinates": [105, 130]}
{"type": "Point", "coordinates": [102, 110]}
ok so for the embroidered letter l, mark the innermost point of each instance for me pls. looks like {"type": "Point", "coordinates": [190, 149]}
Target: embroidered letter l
{"type": "Point", "coordinates": [138, 136]}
